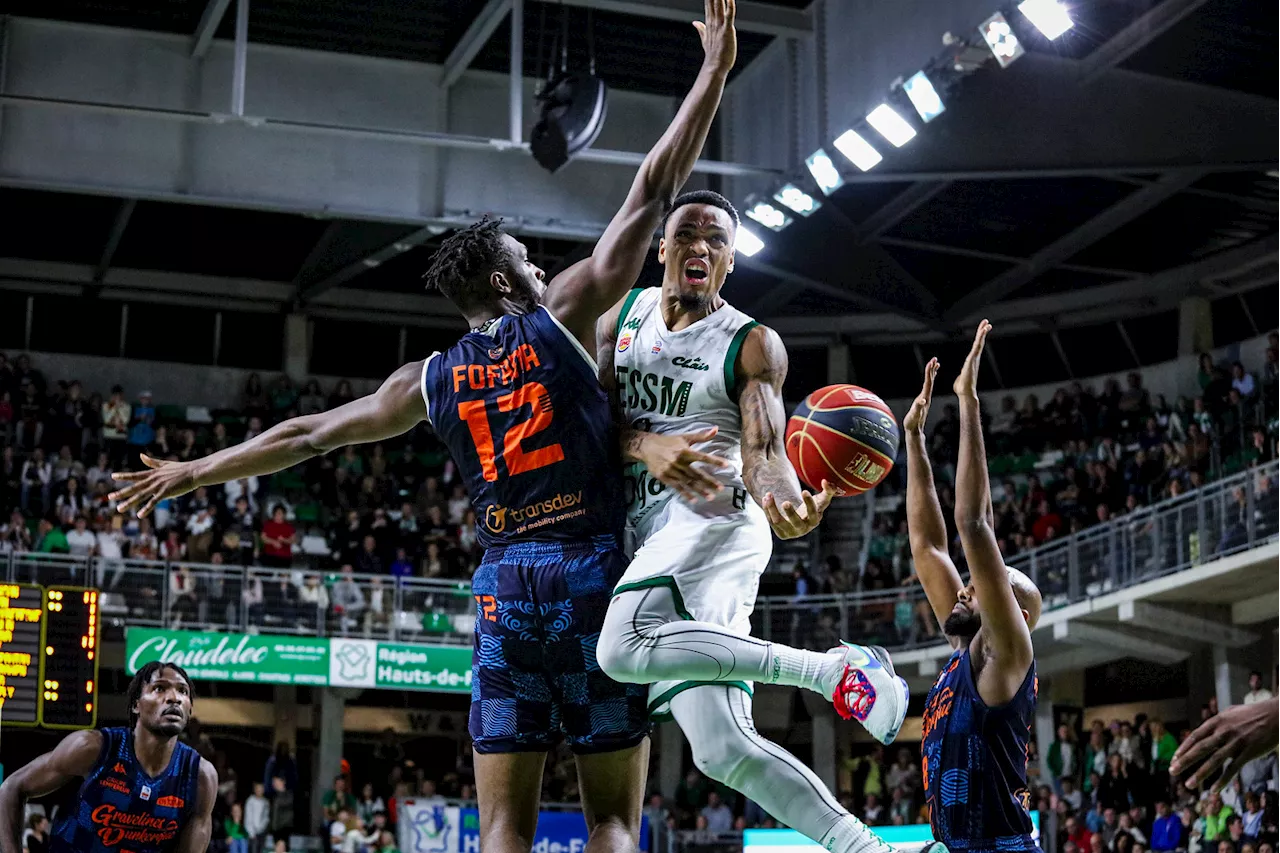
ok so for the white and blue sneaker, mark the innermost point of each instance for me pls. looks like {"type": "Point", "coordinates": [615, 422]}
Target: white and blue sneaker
{"type": "Point", "coordinates": [870, 691]}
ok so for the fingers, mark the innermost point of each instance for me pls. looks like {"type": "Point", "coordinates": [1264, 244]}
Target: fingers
{"type": "Point", "coordinates": [703, 483]}
{"type": "Point", "coordinates": [1190, 751]}
{"type": "Point", "coordinates": [128, 477]}
{"type": "Point", "coordinates": [690, 456]}
{"type": "Point", "coordinates": [151, 463]}
{"type": "Point", "coordinates": [771, 510]}
{"type": "Point", "coordinates": [701, 28]}
{"type": "Point", "coordinates": [930, 373]}
{"type": "Point", "coordinates": [980, 339]}
{"type": "Point", "coordinates": [699, 436]}
{"type": "Point", "coordinates": [825, 497]}
{"type": "Point", "coordinates": [1224, 750]}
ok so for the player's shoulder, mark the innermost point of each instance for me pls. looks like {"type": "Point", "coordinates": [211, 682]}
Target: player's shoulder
{"type": "Point", "coordinates": [80, 752]}
{"type": "Point", "coordinates": [762, 352]}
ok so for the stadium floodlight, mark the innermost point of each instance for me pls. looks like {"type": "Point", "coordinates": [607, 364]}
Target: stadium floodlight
{"type": "Point", "coordinates": [825, 174]}
{"type": "Point", "coordinates": [923, 96]}
{"type": "Point", "coordinates": [859, 151]}
{"type": "Point", "coordinates": [999, 36]}
{"type": "Point", "coordinates": [747, 243]}
{"type": "Point", "coordinates": [797, 199]}
{"type": "Point", "coordinates": [891, 125]}
{"type": "Point", "coordinates": [1049, 16]}
{"type": "Point", "coordinates": [768, 216]}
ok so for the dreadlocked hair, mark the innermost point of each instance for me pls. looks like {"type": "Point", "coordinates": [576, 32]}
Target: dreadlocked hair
{"type": "Point", "coordinates": [143, 678]}
{"type": "Point", "coordinates": [460, 268]}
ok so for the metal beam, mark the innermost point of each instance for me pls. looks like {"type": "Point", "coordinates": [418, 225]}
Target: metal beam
{"type": "Point", "coordinates": [751, 17]}
{"type": "Point", "coordinates": [1073, 661]}
{"type": "Point", "coordinates": [309, 292]}
{"type": "Point", "coordinates": [473, 40]}
{"type": "Point", "coordinates": [1263, 608]}
{"type": "Point", "coordinates": [1144, 30]}
{"type": "Point", "coordinates": [425, 138]}
{"type": "Point", "coordinates": [121, 222]}
{"type": "Point", "coordinates": [241, 58]}
{"type": "Point", "coordinates": [960, 251]}
{"type": "Point", "coordinates": [1163, 620]}
{"type": "Point", "coordinates": [1127, 209]}
{"type": "Point", "coordinates": [214, 11]}
{"type": "Point", "coordinates": [515, 95]}
{"type": "Point", "coordinates": [900, 207]}
{"type": "Point", "coordinates": [1080, 633]}
{"type": "Point", "coordinates": [311, 264]}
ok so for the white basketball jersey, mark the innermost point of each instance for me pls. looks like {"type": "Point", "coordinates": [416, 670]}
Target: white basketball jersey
{"type": "Point", "coordinates": [680, 382]}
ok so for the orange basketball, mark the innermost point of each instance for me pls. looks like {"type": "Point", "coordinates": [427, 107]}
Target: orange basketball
{"type": "Point", "coordinates": [845, 435]}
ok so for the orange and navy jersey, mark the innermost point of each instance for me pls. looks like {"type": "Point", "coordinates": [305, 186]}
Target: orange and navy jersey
{"type": "Point", "coordinates": [974, 763]}
{"type": "Point", "coordinates": [520, 407]}
{"type": "Point", "coordinates": [120, 808]}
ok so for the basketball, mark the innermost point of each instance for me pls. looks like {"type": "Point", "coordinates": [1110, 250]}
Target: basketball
{"type": "Point", "coordinates": [845, 435]}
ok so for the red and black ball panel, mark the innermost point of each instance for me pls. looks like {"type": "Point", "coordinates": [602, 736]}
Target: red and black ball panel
{"type": "Point", "coordinates": [845, 435]}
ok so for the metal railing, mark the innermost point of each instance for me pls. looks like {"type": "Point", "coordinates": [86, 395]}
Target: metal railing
{"type": "Point", "coordinates": [1217, 520]}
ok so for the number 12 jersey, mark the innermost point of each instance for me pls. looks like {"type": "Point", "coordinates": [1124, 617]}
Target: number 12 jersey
{"type": "Point", "coordinates": [519, 405]}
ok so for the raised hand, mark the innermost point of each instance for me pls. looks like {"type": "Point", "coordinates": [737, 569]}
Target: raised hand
{"type": "Point", "coordinates": [966, 384]}
{"type": "Point", "coordinates": [719, 39]}
{"type": "Point", "coordinates": [791, 522]}
{"type": "Point", "coordinates": [919, 411]}
{"type": "Point", "coordinates": [671, 458]}
{"type": "Point", "coordinates": [1226, 742]}
{"type": "Point", "coordinates": [166, 479]}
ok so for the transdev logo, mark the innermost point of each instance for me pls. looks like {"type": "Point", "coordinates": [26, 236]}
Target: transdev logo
{"type": "Point", "coordinates": [496, 515]}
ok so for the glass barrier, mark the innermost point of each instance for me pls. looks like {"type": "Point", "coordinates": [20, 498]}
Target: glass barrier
{"type": "Point", "coordinates": [1217, 520]}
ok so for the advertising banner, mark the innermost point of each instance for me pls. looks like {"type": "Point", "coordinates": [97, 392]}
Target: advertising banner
{"type": "Point", "coordinates": [911, 837]}
{"type": "Point", "coordinates": [435, 828]}
{"type": "Point", "coordinates": [319, 661]}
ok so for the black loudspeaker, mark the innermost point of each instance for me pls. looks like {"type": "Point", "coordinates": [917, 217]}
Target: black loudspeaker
{"type": "Point", "coordinates": [572, 109]}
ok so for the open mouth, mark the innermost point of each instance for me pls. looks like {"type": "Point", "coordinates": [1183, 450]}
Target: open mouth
{"type": "Point", "coordinates": [696, 272]}
{"type": "Point", "coordinates": [172, 714]}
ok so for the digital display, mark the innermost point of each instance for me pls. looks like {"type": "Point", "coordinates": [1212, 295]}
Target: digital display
{"type": "Point", "coordinates": [21, 612]}
{"type": "Point", "coordinates": [69, 674]}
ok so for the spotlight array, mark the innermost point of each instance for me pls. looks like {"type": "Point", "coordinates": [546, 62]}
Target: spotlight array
{"type": "Point", "coordinates": [921, 89]}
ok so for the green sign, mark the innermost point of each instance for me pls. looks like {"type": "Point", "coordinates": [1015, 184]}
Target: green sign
{"type": "Point", "coordinates": [275, 659]}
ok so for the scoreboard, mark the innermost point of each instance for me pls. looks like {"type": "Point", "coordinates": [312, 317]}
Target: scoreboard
{"type": "Point", "coordinates": [48, 656]}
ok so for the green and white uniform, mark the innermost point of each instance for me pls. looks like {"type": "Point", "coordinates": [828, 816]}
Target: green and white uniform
{"type": "Point", "coordinates": [711, 553]}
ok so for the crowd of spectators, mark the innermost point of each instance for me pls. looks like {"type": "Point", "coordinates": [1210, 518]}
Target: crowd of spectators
{"type": "Point", "coordinates": [385, 511]}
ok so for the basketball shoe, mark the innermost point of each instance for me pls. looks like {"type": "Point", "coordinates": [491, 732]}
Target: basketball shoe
{"type": "Point", "coordinates": [870, 692]}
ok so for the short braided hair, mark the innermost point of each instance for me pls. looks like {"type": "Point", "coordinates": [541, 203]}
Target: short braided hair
{"type": "Point", "coordinates": [460, 268]}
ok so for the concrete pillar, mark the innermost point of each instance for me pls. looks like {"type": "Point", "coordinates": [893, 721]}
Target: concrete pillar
{"type": "Point", "coordinates": [670, 758]}
{"type": "Point", "coordinates": [1045, 729]}
{"type": "Point", "coordinates": [286, 702]}
{"type": "Point", "coordinates": [1195, 325]}
{"type": "Point", "coordinates": [824, 745]}
{"type": "Point", "coordinates": [838, 372]}
{"type": "Point", "coordinates": [297, 347]}
{"type": "Point", "coordinates": [328, 729]}
{"type": "Point", "coordinates": [1230, 677]}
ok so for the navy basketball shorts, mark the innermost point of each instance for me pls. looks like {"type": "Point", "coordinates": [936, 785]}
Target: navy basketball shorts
{"type": "Point", "coordinates": [539, 610]}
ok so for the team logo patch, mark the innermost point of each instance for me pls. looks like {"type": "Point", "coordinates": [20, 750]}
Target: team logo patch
{"type": "Point", "coordinates": [495, 353]}
{"type": "Point", "coordinates": [657, 348]}
{"type": "Point", "coordinates": [624, 343]}
{"type": "Point", "coordinates": [145, 793]}
{"type": "Point", "coordinates": [171, 802]}
{"type": "Point", "coordinates": [694, 363]}
{"type": "Point", "coordinates": [119, 768]}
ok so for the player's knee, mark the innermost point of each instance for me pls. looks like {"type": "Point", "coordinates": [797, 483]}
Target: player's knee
{"type": "Point", "coordinates": [720, 759]}
{"type": "Point", "coordinates": [616, 656]}
{"type": "Point", "coordinates": [612, 834]}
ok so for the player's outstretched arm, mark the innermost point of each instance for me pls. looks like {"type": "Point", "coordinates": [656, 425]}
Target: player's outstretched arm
{"type": "Point", "coordinates": [669, 458]}
{"type": "Point", "coordinates": [195, 835]}
{"type": "Point", "coordinates": [394, 409]}
{"type": "Point", "coordinates": [1005, 630]}
{"type": "Point", "coordinates": [72, 759]}
{"type": "Point", "coordinates": [1227, 741]}
{"type": "Point", "coordinates": [925, 525]}
{"type": "Point", "coordinates": [766, 471]}
{"type": "Point", "coordinates": [583, 292]}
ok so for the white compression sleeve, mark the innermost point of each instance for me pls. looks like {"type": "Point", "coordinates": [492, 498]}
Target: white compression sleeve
{"type": "Point", "coordinates": [645, 640]}
{"type": "Point", "coordinates": [717, 722]}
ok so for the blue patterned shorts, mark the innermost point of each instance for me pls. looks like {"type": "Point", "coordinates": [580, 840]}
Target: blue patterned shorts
{"type": "Point", "coordinates": [539, 610]}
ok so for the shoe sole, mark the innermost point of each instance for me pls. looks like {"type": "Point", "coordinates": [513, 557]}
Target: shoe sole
{"type": "Point", "coordinates": [882, 657]}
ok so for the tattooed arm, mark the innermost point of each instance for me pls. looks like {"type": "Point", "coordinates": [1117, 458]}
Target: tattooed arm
{"type": "Point", "coordinates": [759, 373]}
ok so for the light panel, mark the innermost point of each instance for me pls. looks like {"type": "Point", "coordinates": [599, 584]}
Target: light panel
{"type": "Point", "coordinates": [890, 125]}
{"type": "Point", "coordinates": [999, 36]}
{"type": "Point", "coordinates": [825, 174]}
{"type": "Point", "coordinates": [924, 97]}
{"type": "Point", "coordinates": [859, 151]}
{"type": "Point", "coordinates": [1049, 16]}
{"type": "Point", "coordinates": [797, 199]}
{"type": "Point", "coordinates": [768, 216]}
{"type": "Point", "coordinates": [747, 243]}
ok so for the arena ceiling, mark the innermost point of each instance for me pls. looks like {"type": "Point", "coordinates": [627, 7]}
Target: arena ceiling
{"type": "Point", "coordinates": [891, 258]}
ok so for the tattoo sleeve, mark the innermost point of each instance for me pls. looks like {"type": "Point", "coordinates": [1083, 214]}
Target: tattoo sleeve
{"type": "Point", "coordinates": [762, 366]}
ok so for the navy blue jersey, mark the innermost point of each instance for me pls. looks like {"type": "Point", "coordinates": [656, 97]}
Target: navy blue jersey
{"type": "Point", "coordinates": [975, 761]}
{"type": "Point", "coordinates": [520, 407]}
{"type": "Point", "coordinates": [120, 808]}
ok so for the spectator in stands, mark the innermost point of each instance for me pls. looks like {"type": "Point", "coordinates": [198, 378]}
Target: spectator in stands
{"type": "Point", "coordinates": [50, 539]}
{"type": "Point", "coordinates": [37, 479]}
{"type": "Point", "coordinates": [282, 818]}
{"type": "Point", "coordinates": [1216, 815]}
{"type": "Point", "coordinates": [1242, 380]}
{"type": "Point", "coordinates": [253, 400]}
{"type": "Point", "coordinates": [1077, 833]}
{"type": "Point", "coordinates": [719, 816]}
{"type": "Point", "coordinates": [1062, 758]}
{"type": "Point", "coordinates": [80, 541]}
{"type": "Point", "coordinates": [30, 416]}
{"type": "Point", "coordinates": [341, 395]}
{"type": "Point", "coordinates": [284, 398]}
{"type": "Point", "coordinates": [278, 539]}
{"type": "Point", "coordinates": [35, 839]}
{"type": "Point", "coordinates": [311, 400]}
{"type": "Point", "coordinates": [282, 765]}
{"type": "Point", "coordinates": [1257, 693]}
{"type": "Point", "coordinates": [15, 536]}
{"type": "Point", "coordinates": [142, 431]}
